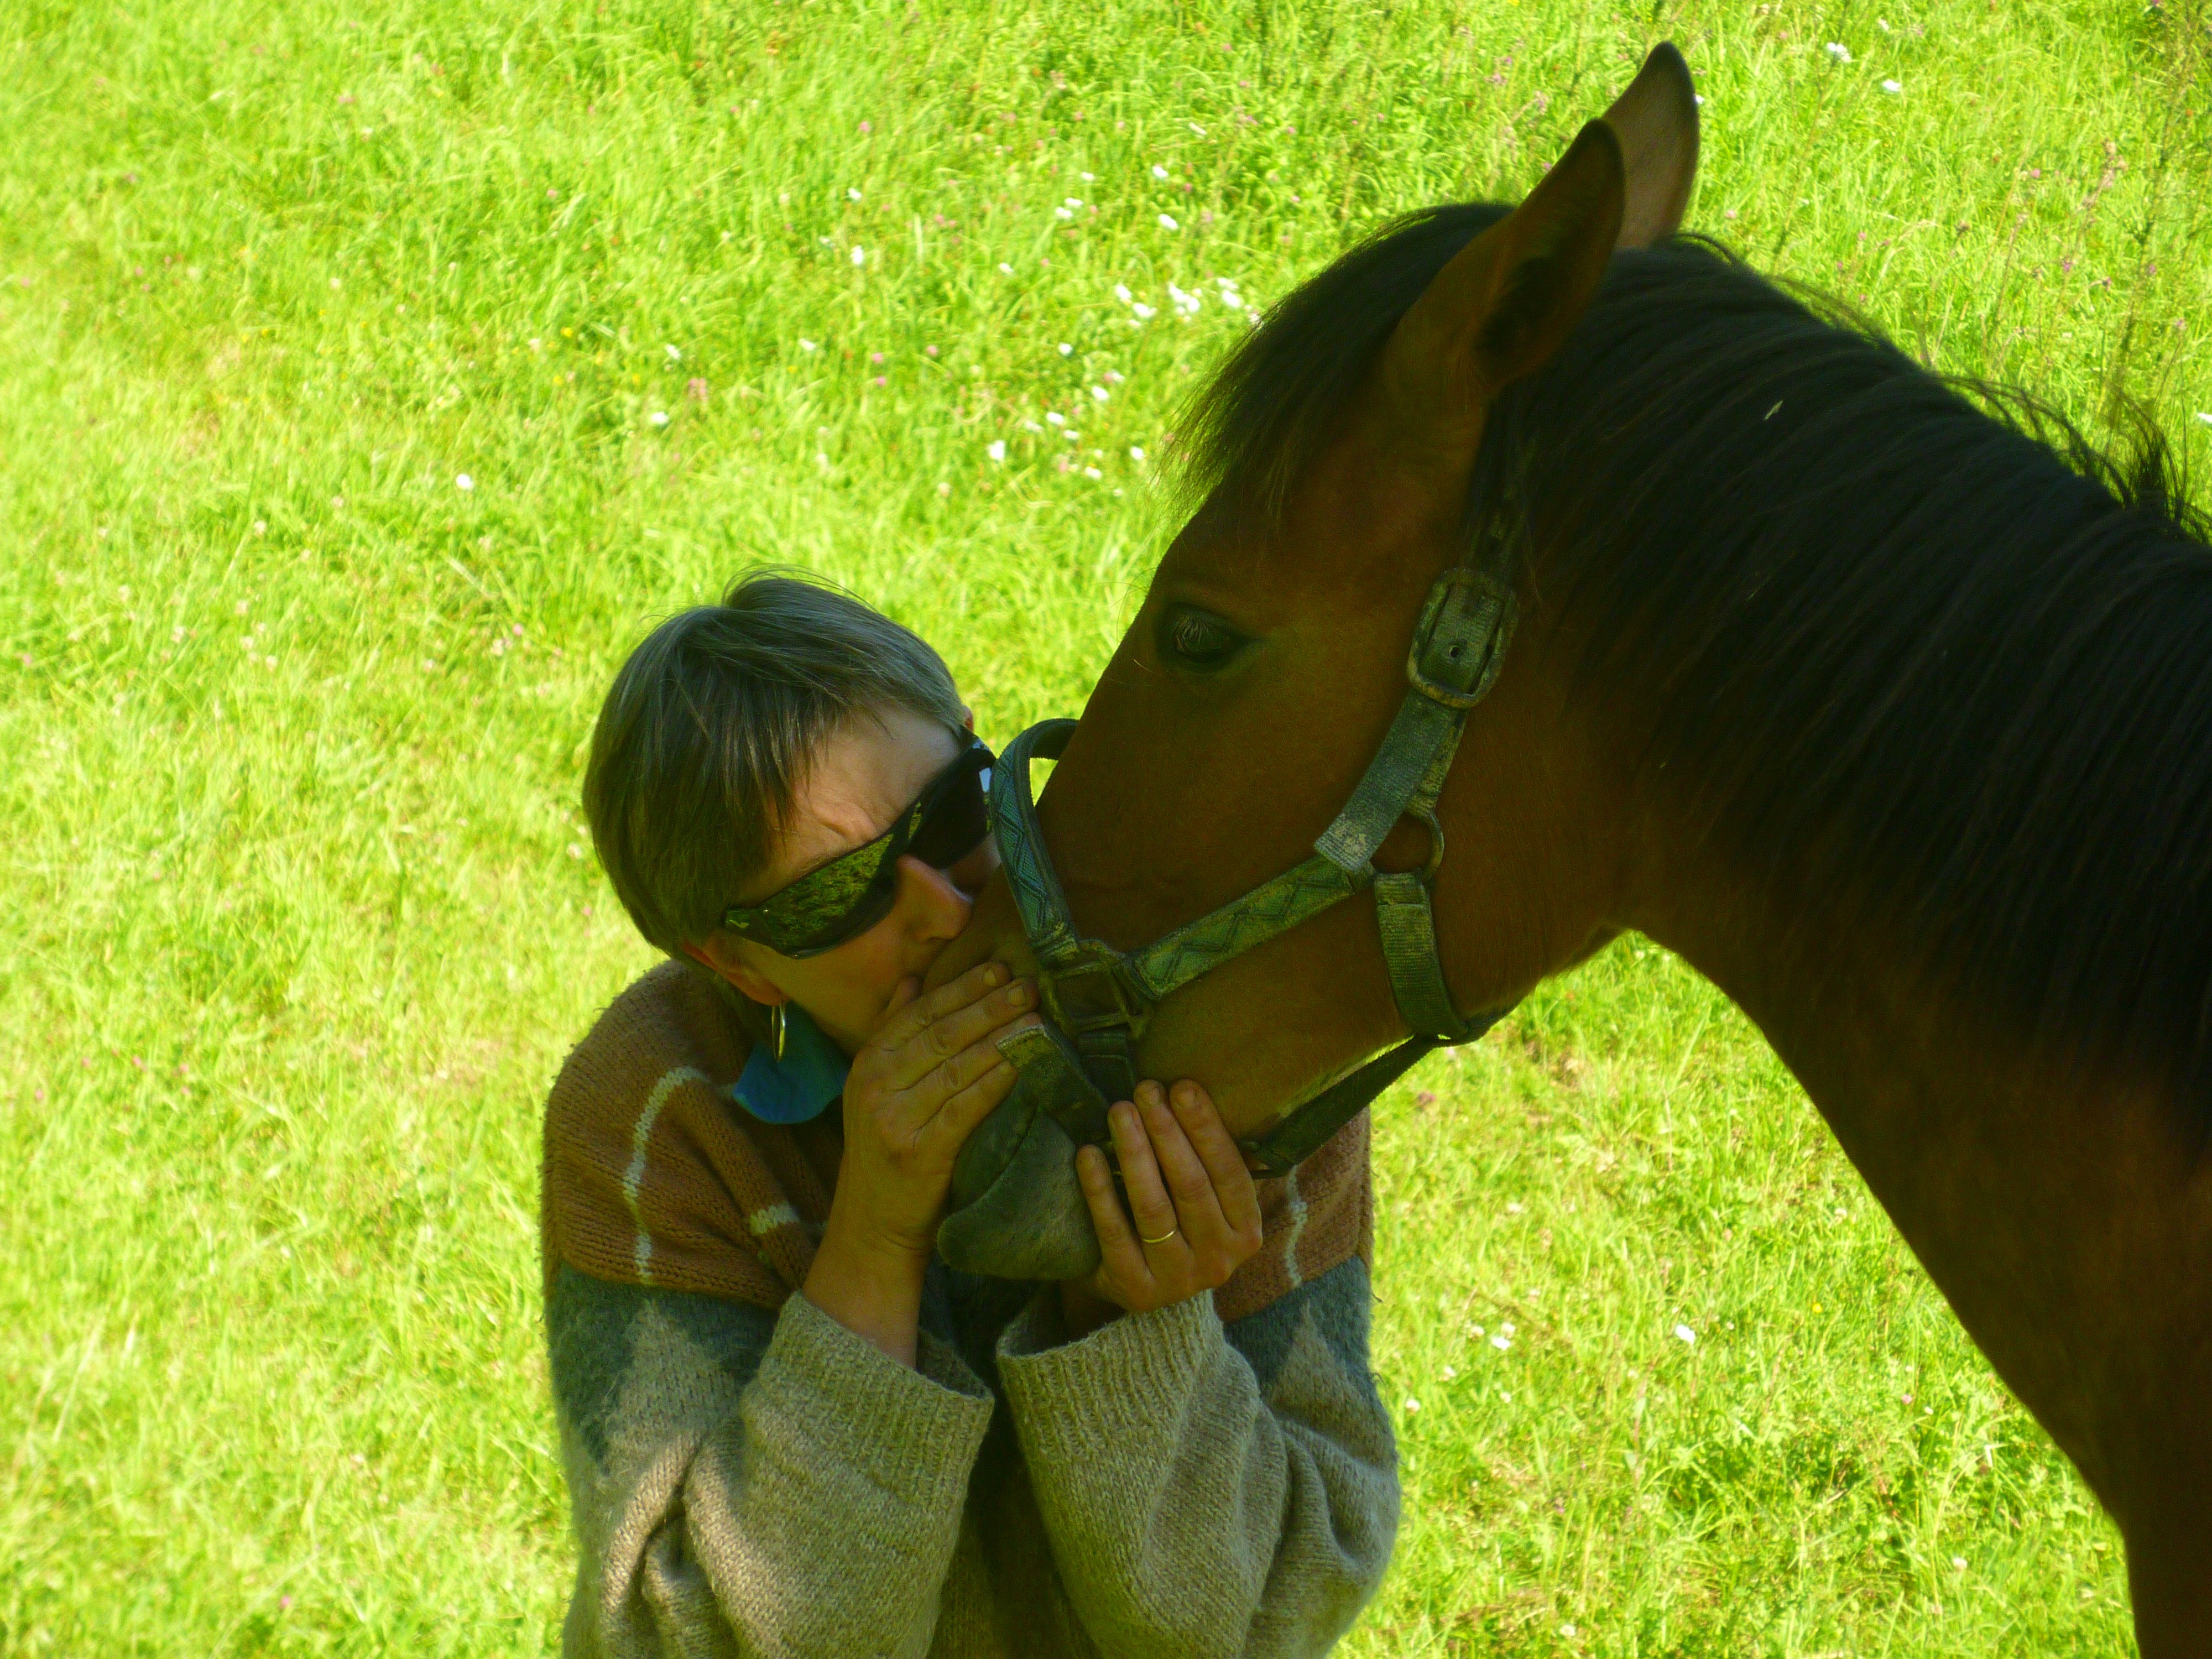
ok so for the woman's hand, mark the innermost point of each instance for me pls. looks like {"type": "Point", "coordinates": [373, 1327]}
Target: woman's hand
{"type": "Point", "coordinates": [930, 1073]}
{"type": "Point", "coordinates": [917, 1089]}
{"type": "Point", "coordinates": [1193, 1216]}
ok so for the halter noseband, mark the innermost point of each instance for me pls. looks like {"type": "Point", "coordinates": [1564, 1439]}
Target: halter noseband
{"type": "Point", "coordinates": [1099, 1000]}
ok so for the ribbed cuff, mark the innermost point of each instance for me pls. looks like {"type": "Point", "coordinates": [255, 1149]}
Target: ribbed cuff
{"type": "Point", "coordinates": [915, 1433]}
{"type": "Point", "coordinates": [1121, 1386]}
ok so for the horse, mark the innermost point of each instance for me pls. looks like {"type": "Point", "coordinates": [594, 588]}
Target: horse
{"type": "Point", "coordinates": [1883, 702]}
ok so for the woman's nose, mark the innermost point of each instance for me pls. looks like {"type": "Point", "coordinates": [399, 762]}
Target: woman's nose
{"type": "Point", "coordinates": [930, 905]}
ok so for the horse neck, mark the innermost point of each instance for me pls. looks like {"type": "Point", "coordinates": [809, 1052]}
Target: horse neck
{"type": "Point", "coordinates": [2039, 1196]}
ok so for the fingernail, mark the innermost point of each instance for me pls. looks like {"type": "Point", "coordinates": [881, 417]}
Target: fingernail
{"type": "Point", "coordinates": [994, 974]}
{"type": "Point", "coordinates": [1021, 996]}
{"type": "Point", "coordinates": [1149, 1093]}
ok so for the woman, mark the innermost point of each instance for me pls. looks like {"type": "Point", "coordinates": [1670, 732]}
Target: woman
{"type": "Point", "coordinates": [787, 1428]}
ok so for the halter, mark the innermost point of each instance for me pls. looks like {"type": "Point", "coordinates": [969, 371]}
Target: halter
{"type": "Point", "coordinates": [1099, 1000]}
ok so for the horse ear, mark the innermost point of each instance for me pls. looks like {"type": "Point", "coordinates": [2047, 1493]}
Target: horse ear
{"type": "Point", "coordinates": [1657, 122]}
{"type": "Point", "coordinates": [1507, 300]}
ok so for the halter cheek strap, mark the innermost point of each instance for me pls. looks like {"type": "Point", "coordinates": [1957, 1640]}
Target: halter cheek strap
{"type": "Point", "coordinates": [1100, 1000]}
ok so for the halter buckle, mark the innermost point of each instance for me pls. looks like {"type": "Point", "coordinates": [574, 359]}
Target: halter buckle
{"type": "Point", "coordinates": [1088, 987]}
{"type": "Point", "coordinates": [1462, 637]}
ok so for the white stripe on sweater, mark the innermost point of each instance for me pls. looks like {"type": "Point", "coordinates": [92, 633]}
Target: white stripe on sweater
{"type": "Point", "coordinates": [769, 1217]}
{"type": "Point", "coordinates": [634, 1178]}
{"type": "Point", "coordinates": [1298, 1230]}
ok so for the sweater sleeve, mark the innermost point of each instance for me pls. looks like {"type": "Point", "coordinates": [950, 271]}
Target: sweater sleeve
{"type": "Point", "coordinates": [753, 1484]}
{"type": "Point", "coordinates": [1211, 1491]}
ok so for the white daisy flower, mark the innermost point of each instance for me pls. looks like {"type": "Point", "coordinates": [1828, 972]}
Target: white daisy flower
{"type": "Point", "coordinates": [1167, 222]}
{"type": "Point", "coordinates": [997, 449]}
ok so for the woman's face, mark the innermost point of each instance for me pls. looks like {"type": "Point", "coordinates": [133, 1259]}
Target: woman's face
{"type": "Point", "coordinates": [864, 775]}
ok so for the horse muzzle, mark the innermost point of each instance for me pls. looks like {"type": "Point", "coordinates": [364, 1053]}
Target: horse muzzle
{"type": "Point", "coordinates": [1018, 1210]}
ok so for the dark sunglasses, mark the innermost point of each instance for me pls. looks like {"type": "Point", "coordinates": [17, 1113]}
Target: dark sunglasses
{"type": "Point", "coordinates": [854, 891]}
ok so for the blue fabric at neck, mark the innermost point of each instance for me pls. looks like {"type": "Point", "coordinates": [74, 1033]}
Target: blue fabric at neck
{"type": "Point", "coordinates": [795, 1089]}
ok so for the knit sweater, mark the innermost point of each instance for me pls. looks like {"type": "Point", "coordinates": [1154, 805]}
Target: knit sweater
{"type": "Point", "coordinates": [756, 1479]}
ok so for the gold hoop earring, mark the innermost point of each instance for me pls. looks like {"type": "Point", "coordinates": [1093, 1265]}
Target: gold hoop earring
{"type": "Point", "coordinates": [776, 1030]}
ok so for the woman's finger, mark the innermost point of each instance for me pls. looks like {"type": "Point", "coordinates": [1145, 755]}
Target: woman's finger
{"type": "Point", "coordinates": [938, 1086]}
{"type": "Point", "coordinates": [1121, 1262]}
{"type": "Point", "coordinates": [1233, 1187]}
{"type": "Point", "coordinates": [1150, 1206]}
{"type": "Point", "coordinates": [1190, 1186]}
{"type": "Point", "coordinates": [955, 1032]}
{"type": "Point", "coordinates": [905, 1022]}
{"type": "Point", "coordinates": [969, 1104]}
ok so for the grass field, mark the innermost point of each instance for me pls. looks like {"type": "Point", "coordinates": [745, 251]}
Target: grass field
{"type": "Point", "coordinates": [372, 375]}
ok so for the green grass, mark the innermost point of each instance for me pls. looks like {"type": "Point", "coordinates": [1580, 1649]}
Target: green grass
{"type": "Point", "coordinates": [298, 920]}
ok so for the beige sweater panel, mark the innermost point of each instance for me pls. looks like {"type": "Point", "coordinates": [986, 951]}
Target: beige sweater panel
{"type": "Point", "coordinates": [1135, 1494]}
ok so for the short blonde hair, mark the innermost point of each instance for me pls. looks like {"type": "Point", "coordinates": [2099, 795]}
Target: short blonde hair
{"type": "Point", "coordinates": [709, 728]}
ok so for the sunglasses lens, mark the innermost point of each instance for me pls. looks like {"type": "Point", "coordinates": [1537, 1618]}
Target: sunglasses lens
{"type": "Point", "coordinates": [954, 823]}
{"type": "Point", "coordinates": [873, 904]}
{"type": "Point", "coordinates": [827, 907]}
{"type": "Point", "coordinates": [847, 897]}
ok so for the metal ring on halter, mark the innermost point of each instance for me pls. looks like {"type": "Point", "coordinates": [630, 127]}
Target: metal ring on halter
{"type": "Point", "coordinates": [1427, 818]}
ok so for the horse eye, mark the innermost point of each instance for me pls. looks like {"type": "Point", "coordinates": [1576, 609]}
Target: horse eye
{"type": "Point", "coordinates": [1197, 639]}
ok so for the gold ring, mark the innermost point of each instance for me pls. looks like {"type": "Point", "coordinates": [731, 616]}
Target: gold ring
{"type": "Point", "coordinates": [1162, 1239]}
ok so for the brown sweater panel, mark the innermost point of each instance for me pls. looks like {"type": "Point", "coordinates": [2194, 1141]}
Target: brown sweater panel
{"type": "Point", "coordinates": [654, 1176]}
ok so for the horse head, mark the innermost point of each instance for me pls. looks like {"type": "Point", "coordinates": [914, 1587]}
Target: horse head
{"type": "Point", "coordinates": [1263, 670]}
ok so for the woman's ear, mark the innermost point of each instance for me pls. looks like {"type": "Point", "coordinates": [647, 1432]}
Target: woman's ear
{"type": "Point", "coordinates": [968, 719]}
{"type": "Point", "coordinates": [720, 956]}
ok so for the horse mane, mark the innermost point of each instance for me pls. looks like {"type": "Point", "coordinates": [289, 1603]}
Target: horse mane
{"type": "Point", "coordinates": [1908, 646]}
